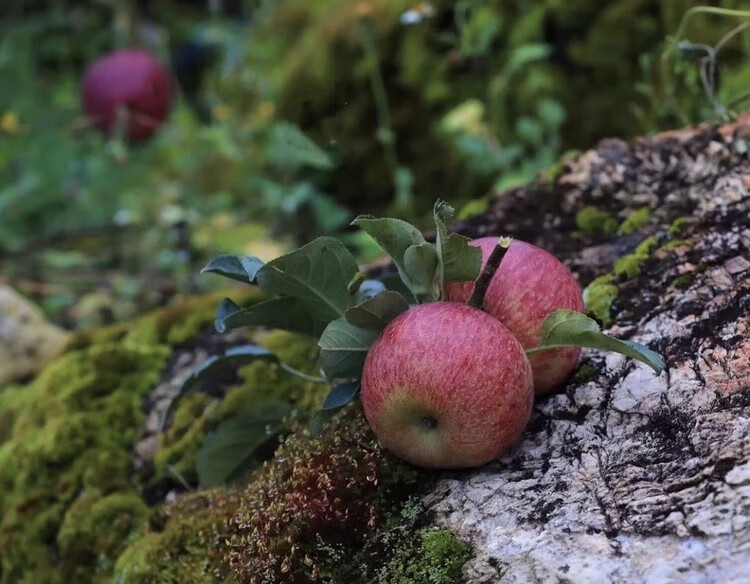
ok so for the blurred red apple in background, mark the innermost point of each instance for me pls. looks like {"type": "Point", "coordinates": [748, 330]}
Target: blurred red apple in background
{"type": "Point", "coordinates": [530, 285]}
{"type": "Point", "coordinates": [446, 385]}
{"type": "Point", "coordinates": [129, 87]}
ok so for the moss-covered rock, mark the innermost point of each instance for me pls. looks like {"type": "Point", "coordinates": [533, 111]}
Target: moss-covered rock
{"type": "Point", "coordinates": [180, 323]}
{"type": "Point", "coordinates": [71, 433]}
{"type": "Point", "coordinates": [331, 508]}
{"type": "Point", "coordinates": [94, 533]}
{"type": "Point", "coordinates": [184, 544]}
{"type": "Point", "coordinates": [322, 510]}
{"type": "Point", "coordinates": [81, 418]}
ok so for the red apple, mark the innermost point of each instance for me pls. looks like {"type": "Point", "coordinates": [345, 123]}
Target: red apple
{"type": "Point", "coordinates": [129, 83]}
{"type": "Point", "coordinates": [446, 385]}
{"type": "Point", "coordinates": [530, 285]}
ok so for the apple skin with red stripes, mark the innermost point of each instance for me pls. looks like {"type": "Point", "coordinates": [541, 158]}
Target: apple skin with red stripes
{"type": "Point", "coordinates": [529, 285]}
{"type": "Point", "coordinates": [446, 385]}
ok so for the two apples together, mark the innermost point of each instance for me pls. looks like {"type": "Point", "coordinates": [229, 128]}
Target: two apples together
{"type": "Point", "coordinates": [446, 385]}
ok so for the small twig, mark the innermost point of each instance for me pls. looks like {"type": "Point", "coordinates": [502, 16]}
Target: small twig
{"type": "Point", "coordinates": [485, 278]}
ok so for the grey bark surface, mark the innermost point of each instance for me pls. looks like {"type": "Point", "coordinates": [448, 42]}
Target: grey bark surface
{"type": "Point", "coordinates": [629, 477]}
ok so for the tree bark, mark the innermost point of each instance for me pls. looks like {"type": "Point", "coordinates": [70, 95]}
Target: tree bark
{"type": "Point", "coordinates": [629, 477]}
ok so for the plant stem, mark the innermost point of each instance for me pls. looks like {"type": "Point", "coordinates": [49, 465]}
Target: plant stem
{"type": "Point", "coordinates": [485, 278]}
{"type": "Point", "coordinates": [305, 376]}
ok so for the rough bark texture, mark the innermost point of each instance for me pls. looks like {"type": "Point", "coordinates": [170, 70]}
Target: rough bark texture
{"type": "Point", "coordinates": [628, 477]}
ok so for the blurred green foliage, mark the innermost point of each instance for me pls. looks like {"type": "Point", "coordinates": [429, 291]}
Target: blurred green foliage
{"type": "Point", "coordinates": [295, 115]}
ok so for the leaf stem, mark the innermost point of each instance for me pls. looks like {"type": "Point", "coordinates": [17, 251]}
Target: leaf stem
{"type": "Point", "coordinates": [485, 278]}
{"type": "Point", "coordinates": [301, 375]}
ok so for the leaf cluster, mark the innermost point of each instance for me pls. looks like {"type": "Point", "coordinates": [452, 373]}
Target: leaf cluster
{"type": "Point", "coordinates": [318, 291]}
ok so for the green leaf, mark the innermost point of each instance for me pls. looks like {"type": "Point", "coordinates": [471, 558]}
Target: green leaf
{"type": "Point", "coordinates": [394, 236]}
{"type": "Point", "coordinates": [526, 54]}
{"type": "Point", "coordinates": [231, 448]}
{"type": "Point", "coordinates": [421, 265]}
{"type": "Point", "coordinates": [567, 328]}
{"type": "Point", "coordinates": [209, 369]}
{"type": "Point", "coordinates": [226, 309]}
{"type": "Point", "coordinates": [286, 313]}
{"type": "Point", "coordinates": [457, 260]}
{"type": "Point", "coordinates": [320, 419]}
{"type": "Point", "coordinates": [252, 266]}
{"type": "Point", "coordinates": [394, 282]}
{"type": "Point", "coordinates": [341, 395]}
{"type": "Point", "coordinates": [289, 147]}
{"type": "Point", "coordinates": [343, 349]}
{"type": "Point", "coordinates": [318, 274]}
{"type": "Point", "coordinates": [240, 269]}
{"type": "Point", "coordinates": [376, 312]}
{"type": "Point", "coordinates": [461, 262]}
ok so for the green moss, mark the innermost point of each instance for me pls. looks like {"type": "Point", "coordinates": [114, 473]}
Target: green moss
{"type": "Point", "coordinates": [84, 339]}
{"type": "Point", "coordinates": [683, 282]}
{"type": "Point", "coordinates": [28, 531]}
{"type": "Point", "coordinates": [585, 373]}
{"type": "Point", "coordinates": [180, 323]}
{"type": "Point", "coordinates": [635, 221]}
{"type": "Point", "coordinates": [179, 445]}
{"type": "Point", "coordinates": [304, 516]}
{"type": "Point", "coordinates": [675, 243]}
{"type": "Point", "coordinates": [591, 220]}
{"type": "Point", "coordinates": [629, 266]}
{"type": "Point", "coordinates": [183, 545]}
{"type": "Point", "coordinates": [95, 530]}
{"type": "Point", "coordinates": [14, 400]}
{"type": "Point", "coordinates": [647, 246]}
{"type": "Point", "coordinates": [425, 557]}
{"type": "Point", "coordinates": [602, 292]}
{"type": "Point", "coordinates": [678, 226]}
{"type": "Point", "coordinates": [74, 435]}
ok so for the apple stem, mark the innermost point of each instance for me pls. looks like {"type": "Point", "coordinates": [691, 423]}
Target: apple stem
{"type": "Point", "coordinates": [485, 278]}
